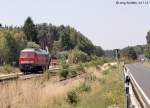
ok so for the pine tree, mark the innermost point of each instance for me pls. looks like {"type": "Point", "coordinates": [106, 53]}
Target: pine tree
{"type": "Point", "coordinates": [30, 30]}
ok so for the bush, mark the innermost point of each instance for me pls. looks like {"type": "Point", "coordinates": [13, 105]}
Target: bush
{"type": "Point", "coordinates": [81, 67]}
{"type": "Point", "coordinates": [102, 80]}
{"type": "Point", "coordinates": [73, 72]}
{"type": "Point", "coordinates": [76, 56]}
{"type": "Point", "coordinates": [84, 87]}
{"type": "Point", "coordinates": [7, 69]}
{"type": "Point", "coordinates": [63, 55]}
{"type": "Point", "coordinates": [46, 75]}
{"type": "Point", "coordinates": [106, 72]}
{"type": "Point", "coordinates": [98, 61]}
{"type": "Point", "coordinates": [64, 69]}
{"type": "Point", "coordinates": [90, 77]}
{"type": "Point", "coordinates": [113, 67]}
{"type": "Point", "coordinates": [72, 98]}
{"type": "Point", "coordinates": [109, 65]}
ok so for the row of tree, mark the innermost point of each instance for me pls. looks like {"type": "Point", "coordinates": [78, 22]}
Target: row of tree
{"type": "Point", "coordinates": [130, 52]}
{"type": "Point", "coordinates": [57, 38]}
{"type": "Point", "coordinates": [147, 47]}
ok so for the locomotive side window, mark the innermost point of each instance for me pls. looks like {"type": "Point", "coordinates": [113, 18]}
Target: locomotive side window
{"type": "Point", "coordinates": [31, 55]}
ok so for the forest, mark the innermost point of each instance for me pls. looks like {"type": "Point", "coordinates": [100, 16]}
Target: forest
{"type": "Point", "coordinates": [59, 39]}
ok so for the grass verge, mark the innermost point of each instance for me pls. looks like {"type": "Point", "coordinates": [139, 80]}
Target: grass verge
{"type": "Point", "coordinates": [8, 69]}
{"type": "Point", "coordinates": [101, 88]}
{"type": "Point", "coordinates": [146, 64]}
{"type": "Point", "coordinates": [104, 91]}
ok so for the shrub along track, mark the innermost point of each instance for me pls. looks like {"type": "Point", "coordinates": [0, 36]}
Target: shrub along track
{"type": "Point", "coordinates": [52, 73]}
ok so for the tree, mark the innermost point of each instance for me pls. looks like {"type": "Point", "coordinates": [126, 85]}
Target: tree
{"type": "Point", "coordinates": [68, 37]}
{"type": "Point", "coordinates": [147, 48]}
{"type": "Point", "coordinates": [148, 37]}
{"type": "Point", "coordinates": [65, 41]}
{"type": "Point", "coordinates": [132, 54]}
{"type": "Point", "coordinates": [32, 45]}
{"type": "Point", "coordinates": [47, 34]}
{"type": "Point", "coordinates": [139, 49]}
{"type": "Point", "coordinates": [99, 51]}
{"type": "Point", "coordinates": [11, 42]}
{"type": "Point", "coordinates": [56, 49]}
{"type": "Point", "coordinates": [85, 45]}
{"type": "Point", "coordinates": [0, 25]}
{"type": "Point", "coordinates": [109, 53]}
{"type": "Point", "coordinates": [147, 51]}
{"type": "Point", "coordinates": [42, 30]}
{"type": "Point", "coordinates": [74, 35]}
{"type": "Point", "coordinates": [30, 30]}
{"type": "Point", "coordinates": [76, 56]}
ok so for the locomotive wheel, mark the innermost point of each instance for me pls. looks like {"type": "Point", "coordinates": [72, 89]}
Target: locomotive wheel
{"type": "Point", "coordinates": [23, 71]}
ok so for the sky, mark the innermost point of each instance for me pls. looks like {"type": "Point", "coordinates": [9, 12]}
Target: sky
{"type": "Point", "coordinates": [104, 22]}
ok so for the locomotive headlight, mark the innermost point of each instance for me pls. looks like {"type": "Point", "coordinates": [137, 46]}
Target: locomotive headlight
{"type": "Point", "coordinates": [27, 62]}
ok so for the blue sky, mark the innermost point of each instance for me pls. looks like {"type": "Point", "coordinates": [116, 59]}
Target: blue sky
{"type": "Point", "coordinates": [102, 21]}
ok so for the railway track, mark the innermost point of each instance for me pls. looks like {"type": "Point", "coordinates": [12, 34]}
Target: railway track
{"type": "Point", "coordinates": [21, 76]}
{"type": "Point", "coordinates": [53, 72]}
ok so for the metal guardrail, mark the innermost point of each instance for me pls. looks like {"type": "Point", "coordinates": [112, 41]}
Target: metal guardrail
{"type": "Point", "coordinates": [127, 95]}
{"type": "Point", "coordinates": [125, 99]}
{"type": "Point", "coordinates": [139, 93]}
{"type": "Point", "coordinates": [142, 98]}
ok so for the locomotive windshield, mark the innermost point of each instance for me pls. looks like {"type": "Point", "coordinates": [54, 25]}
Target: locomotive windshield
{"type": "Point", "coordinates": [27, 54]}
{"type": "Point", "coordinates": [23, 55]}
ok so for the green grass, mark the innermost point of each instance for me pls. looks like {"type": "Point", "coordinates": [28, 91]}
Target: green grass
{"type": "Point", "coordinates": [109, 92]}
{"type": "Point", "coordinates": [104, 92]}
{"type": "Point", "coordinates": [99, 61]}
{"type": "Point", "coordinates": [72, 70]}
{"type": "Point", "coordinates": [7, 69]}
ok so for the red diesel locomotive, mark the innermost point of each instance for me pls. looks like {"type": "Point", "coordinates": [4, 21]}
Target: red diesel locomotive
{"type": "Point", "coordinates": [32, 59]}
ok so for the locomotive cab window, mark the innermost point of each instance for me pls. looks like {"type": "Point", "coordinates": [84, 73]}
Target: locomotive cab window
{"type": "Point", "coordinates": [23, 54]}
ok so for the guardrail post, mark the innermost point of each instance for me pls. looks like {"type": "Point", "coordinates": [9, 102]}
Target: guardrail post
{"type": "Point", "coordinates": [127, 92]}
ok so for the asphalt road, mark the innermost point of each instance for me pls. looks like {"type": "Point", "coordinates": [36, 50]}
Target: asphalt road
{"type": "Point", "coordinates": [142, 76]}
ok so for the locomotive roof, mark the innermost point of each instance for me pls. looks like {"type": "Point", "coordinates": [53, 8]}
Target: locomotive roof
{"type": "Point", "coordinates": [36, 50]}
